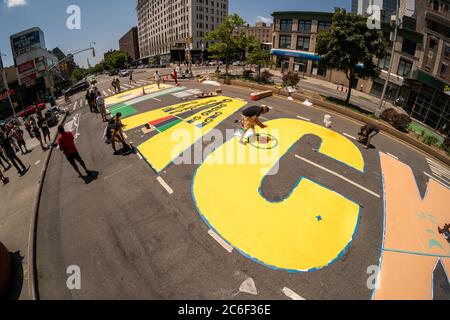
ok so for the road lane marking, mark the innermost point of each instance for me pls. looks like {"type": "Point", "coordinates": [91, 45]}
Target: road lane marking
{"type": "Point", "coordinates": [339, 176]}
{"type": "Point", "coordinates": [392, 156]}
{"type": "Point", "coordinates": [349, 136]}
{"type": "Point", "coordinates": [37, 162]}
{"type": "Point", "coordinates": [436, 179]}
{"type": "Point", "coordinates": [220, 241]}
{"type": "Point", "coordinates": [291, 294]}
{"type": "Point", "coordinates": [118, 172]}
{"type": "Point", "coordinates": [302, 118]}
{"type": "Point", "coordinates": [165, 185]}
{"type": "Point", "coordinates": [157, 99]}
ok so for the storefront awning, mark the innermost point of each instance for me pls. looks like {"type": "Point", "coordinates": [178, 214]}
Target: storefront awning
{"type": "Point", "coordinates": [296, 54]}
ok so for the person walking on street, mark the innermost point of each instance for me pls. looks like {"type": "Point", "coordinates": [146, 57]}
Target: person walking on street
{"type": "Point", "coordinates": [89, 100]}
{"type": "Point", "coordinates": [37, 134]}
{"type": "Point", "coordinates": [116, 134]}
{"type": "Point", "coordinates": [131, 77]}
{"type": "Point", "coordinates": [67, 146]}
{"type": "Point", "coordinates": [17, 133]}
{"type": "Point", "coordinates": [42, 124]}
{"type": "Point", "coordinates": [100, 101]}
{"type": "Point", "coordinates": [3, 157]}
{"type": "Point", "coordinates": [4, 179]}
{"type": "Point", "coordinates": [113, 84]}
{"type": "Point", "coordinates": [119, 89]}
{"type": "Point", "coordinates": [28, 127]}
{"type": "Point", "coordinates": [9, 147]}
{"type": "Point", "coordinates": [93, 99]}
{"type": "Point", "coordinates": [158, 79]}
{"type": "Point", "coordinates": [175, 77]}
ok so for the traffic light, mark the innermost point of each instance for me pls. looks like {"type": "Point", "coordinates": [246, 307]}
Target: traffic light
{"type": "Point", "coordinates": [93, 52]}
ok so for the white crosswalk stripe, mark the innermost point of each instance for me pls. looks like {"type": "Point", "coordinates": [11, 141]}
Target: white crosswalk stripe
{"type": "Point", "coordinates": [104, 93]}
{"type": "Point", "coordinates": [439, 171]}
{"type": "Point", "coordinates": [110, 91]}
{"type": "Point", "coordinates": [126, 86]}
{"type": "Point", "coordinates": [75, 105]}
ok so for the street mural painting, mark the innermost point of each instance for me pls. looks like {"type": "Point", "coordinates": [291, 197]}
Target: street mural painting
{"type": "Point", "coordinates": [134, 93]}
{"type": "Point", "coordinates": [180, 126]}
{"type": "Point", "coordinates": [412, 246]}
{"type": "Point", "coordinates": [126, 107]}
{"type": "Point", "coordinates": [307, 230]}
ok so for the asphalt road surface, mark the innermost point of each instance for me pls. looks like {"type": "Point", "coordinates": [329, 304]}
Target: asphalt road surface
{"type": "Point", "coordinates": [135, 234]}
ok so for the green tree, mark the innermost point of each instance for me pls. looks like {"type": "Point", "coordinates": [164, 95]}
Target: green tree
{"type": "Point", "coordinates": [229, 38]}
{"type": "Point", "coordinates": [79, 74]}
{"type": "Point", "coordinates": [350, 46]}
{"type": "Point", "coordinates": [257, 55]}
{"type": "Point", "coordinates": [116, 60]}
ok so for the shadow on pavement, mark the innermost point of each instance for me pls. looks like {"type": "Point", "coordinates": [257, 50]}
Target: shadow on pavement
{"type": "Point", "coordinates": [16, 284]}
{"type": "Point", "coordinates": [91, 177]}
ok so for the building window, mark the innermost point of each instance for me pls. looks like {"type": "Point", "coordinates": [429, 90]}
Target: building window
{"type": "Point", "coordinates": [304, 26]}
{"type": "Point", "coordinates": [447, 51]}
{"type": "Point", "coordinates": [286, 25]}
{"type": "Point", "coordinates": [323, 26]}
{"type": "Point", "coordinates": [384, 63]}
{"type": "Point", "coordinates": [433, 44]}
{"type": "Point", "coordinates": [443, 70]}
{"type": "Point", "coordinates": [285, 41]}
{"type": "Point", "coordinates": [409, 47]}
{"type": "Point", "coordinates": [404, 68]}
{"type": "Point", "coordinates": [303, 43]}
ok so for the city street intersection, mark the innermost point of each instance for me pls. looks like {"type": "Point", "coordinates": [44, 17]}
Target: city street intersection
{"type": "Point", "coordinates": [155, 225]}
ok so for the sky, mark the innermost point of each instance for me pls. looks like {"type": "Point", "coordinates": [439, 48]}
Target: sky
{"type": "Point", "coordinates": [105, 21]}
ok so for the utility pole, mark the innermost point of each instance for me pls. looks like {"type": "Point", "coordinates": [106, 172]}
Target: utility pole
{"type": "Point", "coordinates": [397, 25]}
{"type": "Point", "coordinates": [5, 81]}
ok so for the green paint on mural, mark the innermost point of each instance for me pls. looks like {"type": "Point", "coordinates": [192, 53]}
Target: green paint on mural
{"type": "Point", "coordinates": [434, 243]}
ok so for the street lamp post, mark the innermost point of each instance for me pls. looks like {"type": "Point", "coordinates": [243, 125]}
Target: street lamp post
{"type": "Point", "coordinates": [5, 81]}
{"type": "Point", "coordinates": [388, 78]}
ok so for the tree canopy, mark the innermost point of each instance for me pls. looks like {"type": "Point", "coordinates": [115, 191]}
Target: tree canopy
{"type": "Point", "coordinates": [229, 38]}
{"type": "Point", "coordinates": [350, 46]}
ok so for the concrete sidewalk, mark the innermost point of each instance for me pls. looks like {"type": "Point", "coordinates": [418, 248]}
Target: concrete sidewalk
{"type": "Point", "coordinates": [17, 198]}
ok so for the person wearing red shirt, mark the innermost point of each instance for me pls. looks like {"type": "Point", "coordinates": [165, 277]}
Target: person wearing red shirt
{"type": "Point", "coordinates": [67, 146]}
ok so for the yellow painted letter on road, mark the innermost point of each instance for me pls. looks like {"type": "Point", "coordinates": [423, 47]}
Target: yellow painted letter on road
{"type": "Point", "coordinates": [412, 244]}
{"type": "Point", "coordinates": [178, 119]}
{"type": "Point", "coordinates": [306, 231]}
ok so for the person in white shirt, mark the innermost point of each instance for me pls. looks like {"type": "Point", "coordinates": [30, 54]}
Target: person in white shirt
{"type": "Point", "coordinates": [101, 105]}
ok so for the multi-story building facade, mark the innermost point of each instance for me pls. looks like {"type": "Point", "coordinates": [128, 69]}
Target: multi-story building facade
{"type": "Point", "coordinates": [261, 31]}
{"type": "Point", "coordinates": [129, 43]}
{"type": "Point", "coordinates": [427, 91]}
{"type": "Point", "coordinates": [172, 28]}
{"type": "Point", "coordinates": [294, 43]}
{"type": "Point", "coordinates": [388, 7]}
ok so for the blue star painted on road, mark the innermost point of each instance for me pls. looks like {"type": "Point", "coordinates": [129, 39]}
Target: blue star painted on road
{"type": "Point", "coordinates": [319, 218]}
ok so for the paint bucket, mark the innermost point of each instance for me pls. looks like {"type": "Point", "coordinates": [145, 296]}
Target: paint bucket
{"type": "Point", "coordinates": [327, 121]}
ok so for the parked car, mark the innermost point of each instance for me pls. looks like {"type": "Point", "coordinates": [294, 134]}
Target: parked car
{"type": "Point", "coordinates": [32, 110]}
{"type": "Point", "coordinates": [81, 86]}
{"type": "Point", "coordinates": [113, 73]}
{"type": "Point", "coordinates": [124, 73]}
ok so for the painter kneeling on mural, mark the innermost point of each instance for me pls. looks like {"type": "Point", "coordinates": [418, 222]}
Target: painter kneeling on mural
{"type": "Point", "coordinates": [250, 119]}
